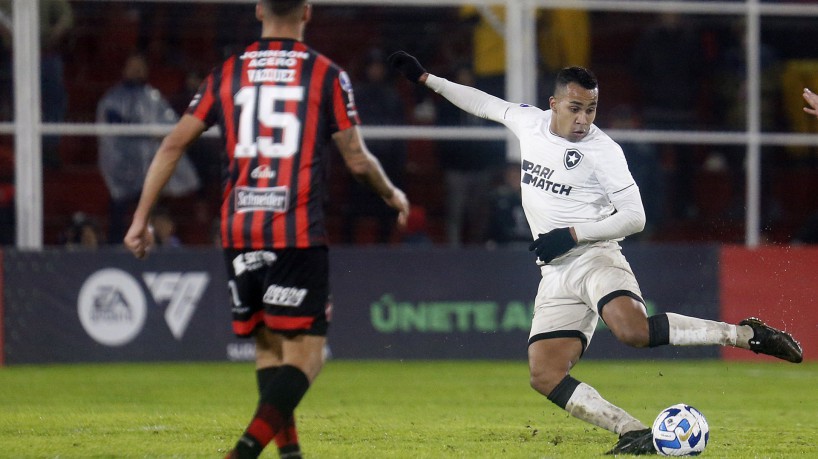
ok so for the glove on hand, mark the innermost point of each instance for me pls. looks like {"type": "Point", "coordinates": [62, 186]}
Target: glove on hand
{"type": "Point", "coordinates": [407, 65]}
{"type": "Point", "coordinates": [552, 244]}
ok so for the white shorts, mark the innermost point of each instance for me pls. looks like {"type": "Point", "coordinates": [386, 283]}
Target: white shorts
{"type": "Point", "coordinates": [574, 288]}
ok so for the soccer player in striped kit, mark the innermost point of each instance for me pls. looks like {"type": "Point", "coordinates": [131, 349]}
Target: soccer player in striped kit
{"type": "Point", "coordinates": [579, 199]}
{"type": "Point", "coordinates": [277, 103]}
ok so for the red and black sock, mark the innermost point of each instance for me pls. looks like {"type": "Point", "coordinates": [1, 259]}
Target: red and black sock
{"type": "Point", "coordinates": [278, 400]}
{"type": "Point", "coordinates": [287, 438]}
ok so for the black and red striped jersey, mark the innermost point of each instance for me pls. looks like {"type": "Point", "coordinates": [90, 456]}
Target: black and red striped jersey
{"type": "Point", "coordinates": [277, 104]}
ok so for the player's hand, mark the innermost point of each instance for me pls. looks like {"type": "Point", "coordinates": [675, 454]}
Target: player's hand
{"type": "Point", "coordinates": [812, 100]}
{"type": "Point", "coordinates": [399, 202]}
{"type": "Point", "coordinates": [552, 244]}
{"type": "Point", "coordinates": [139, 239]}
{"type": "Point", "coordinates": [406, 64]}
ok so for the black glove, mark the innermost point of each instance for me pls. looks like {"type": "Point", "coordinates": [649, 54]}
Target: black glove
{"type": "Point", "coordinates": [552, 244]}
{"type": "Point", "coordinates": [407, 65]}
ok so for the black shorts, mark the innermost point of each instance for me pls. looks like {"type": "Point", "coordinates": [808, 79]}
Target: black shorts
{"type": "Point", "coordinates": [286, 290]}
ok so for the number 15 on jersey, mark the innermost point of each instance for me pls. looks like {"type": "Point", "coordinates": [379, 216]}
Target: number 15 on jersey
{"type": "Point", "coordinates": [266, 116]}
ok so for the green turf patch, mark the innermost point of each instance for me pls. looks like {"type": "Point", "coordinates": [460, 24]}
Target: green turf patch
{"type": "Point", "coordinates": [378, 409]}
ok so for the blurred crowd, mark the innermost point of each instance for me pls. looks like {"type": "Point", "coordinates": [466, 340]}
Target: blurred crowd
{"type": "Point", "coordinates": [141, 62]}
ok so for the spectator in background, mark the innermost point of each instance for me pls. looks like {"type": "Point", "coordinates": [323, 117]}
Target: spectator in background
{"type": "Point", "coordinates": [56, 22]}
{"type": "Point", "coordinates": [730, 89]}
{"type": "Point", "coordinates": [564, 40]}
{"type": "Point", "coordinates": [124, 160]}
{"type": "Point", "coordinates": [646, 168]}
{"type": "Point", "coordinates": [487, 25]}
{"type": "Point", "coordinates": [417, 227]}
{"type": "Point", "coordinates": [670, 84]}
{"type": "Point", "coordinates": [82, 233]}
{"type": "Point", "coordinates": [469, 167]}
{"type": "Point", "coordinates": [378, 104]}
{"type": "Point", "coordinates": [507, 223]}
{"type": "Point", "coordinates": [164, 229]}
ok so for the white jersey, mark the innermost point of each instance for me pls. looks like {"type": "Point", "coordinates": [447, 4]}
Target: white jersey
{"type": "Point", "coordinates": [564, 184]}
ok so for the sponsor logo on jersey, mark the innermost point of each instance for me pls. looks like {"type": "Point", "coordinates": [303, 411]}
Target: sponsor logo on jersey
{"type": "Point", "coordinates": [539, 176]}
{"type": "Point", "coordinates": [572, 158]}
{"type": "Point", "coordinates": [263, 171]}
{"type": "Point", "coordinates": [274, 199]}
{"type": "Point", "coordinates": [277, 295]}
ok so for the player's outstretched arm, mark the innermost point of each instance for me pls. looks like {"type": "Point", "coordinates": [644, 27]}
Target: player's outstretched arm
{"type": "Point", "coordinates": [366, 168]}
{"type": "Point", "coordinates": [466, 98]}
{"type": "Point", "coordinates": [812, 100]}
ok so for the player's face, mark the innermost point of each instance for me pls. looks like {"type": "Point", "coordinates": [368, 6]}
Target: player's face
{"type": "Point", "coordinates": [574, 110]}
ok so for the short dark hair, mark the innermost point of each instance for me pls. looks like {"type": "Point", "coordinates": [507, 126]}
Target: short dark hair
{"type": "Point", "coordinates": [283, 7]}
{"type": "Point", "coordinates": [579, 75]}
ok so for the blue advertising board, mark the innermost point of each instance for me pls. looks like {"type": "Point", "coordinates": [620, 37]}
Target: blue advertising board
{"type": "Point", "coordinates": [388, 303]}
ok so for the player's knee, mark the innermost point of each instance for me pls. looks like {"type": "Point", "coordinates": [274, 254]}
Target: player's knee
{"type": "Point", "coordinates": [633, 336]}
{"type": "Point", "coordinates": [545, 380]}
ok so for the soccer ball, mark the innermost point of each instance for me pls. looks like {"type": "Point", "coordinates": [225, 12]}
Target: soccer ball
{"type": "Point", "coordinates": [680, 430]}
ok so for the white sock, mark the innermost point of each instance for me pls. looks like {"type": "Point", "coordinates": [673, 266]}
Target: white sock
{"type": "Point", "coordinates": [692, 331]}
{"type": "Point", "coordinates": [586, 404]}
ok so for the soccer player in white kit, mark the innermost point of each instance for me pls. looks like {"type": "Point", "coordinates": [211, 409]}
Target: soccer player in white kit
{"type": "Point", "coordinates": [580, 200]}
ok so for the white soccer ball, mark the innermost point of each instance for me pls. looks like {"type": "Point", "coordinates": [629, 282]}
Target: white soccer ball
{"type": "Point", "coordinates": [680, 430]}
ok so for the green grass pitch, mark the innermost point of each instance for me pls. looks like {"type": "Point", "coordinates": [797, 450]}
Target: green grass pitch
{"type": "Point", "coordinates": [393, 409]}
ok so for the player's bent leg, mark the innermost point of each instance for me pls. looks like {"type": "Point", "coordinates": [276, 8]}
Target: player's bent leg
{"type": "Point", "coordinates": [550, 360]}
{"type": "Point", "coordinates": [549, 363]}
{"type": "Point", "coordinates": [627, 319]}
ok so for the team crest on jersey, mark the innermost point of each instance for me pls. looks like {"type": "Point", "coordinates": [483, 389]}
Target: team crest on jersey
{"type": "Point", "coordinates": [572, 158]}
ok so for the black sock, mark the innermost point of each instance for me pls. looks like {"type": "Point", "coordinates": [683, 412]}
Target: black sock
{"type": "Point", "coordinates": [658, 330]}
{"type": "Point", "coordinates": [264, 376]}
{"type": "Point", "coordinates": [287, 440]}
{"type": "Point", "coordinates": [248, 447]}
{"type": "Point", "coordinates": [563, 392]}
{"type": "Point", "coordinates": [274, 414]}
{"type": "Point", "coordinates": [289, 452]}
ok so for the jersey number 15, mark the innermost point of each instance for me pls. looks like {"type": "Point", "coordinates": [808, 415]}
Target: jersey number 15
{"type": "Point", "coordinates": [247, 146]}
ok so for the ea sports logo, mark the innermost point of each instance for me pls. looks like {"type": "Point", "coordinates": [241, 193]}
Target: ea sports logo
{"type": "Point", "coordinates": [111, 307]}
